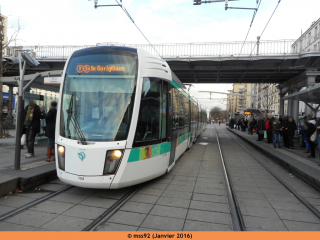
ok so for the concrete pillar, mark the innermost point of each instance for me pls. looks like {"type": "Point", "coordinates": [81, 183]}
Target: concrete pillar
{"type": "Point", "coordinates": [289, 105]}
{"type": "Point", "coordinates": [281, 109]}
{"type": "Point", "coordinates": [9, 118]}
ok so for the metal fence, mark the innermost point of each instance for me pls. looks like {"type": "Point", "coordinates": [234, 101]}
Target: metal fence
{"type": "Point", "coordinates": [169, 50]}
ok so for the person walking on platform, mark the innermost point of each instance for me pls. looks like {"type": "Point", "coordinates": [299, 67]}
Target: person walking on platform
{"type": "Point", "coordinates": [31, 126]}
{"type": "Point", "coordinates": [284, 131]}
{"type": "Point", "coordinates": [302, 132]}
{"type": "Point", "coordinates": [310, 126]}
{"type": "Point", "coordinates": [50, 118]}
{"type": "Point", "coordinates": [260, 128]}
{"type": "Point", "coordinates": [269, 127]}
{"type": "Point", "coordinates": [276, 133]}
{"type": "Point", "coordinates": [291, 128]}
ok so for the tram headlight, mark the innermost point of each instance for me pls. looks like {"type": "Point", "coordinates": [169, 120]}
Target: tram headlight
{"type": "Point", "coordinates": [61, 157]}
{"type": "Point", "coordinates": [113, 158]}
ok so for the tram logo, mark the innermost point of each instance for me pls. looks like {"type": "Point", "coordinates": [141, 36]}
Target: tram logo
{"type": "Point", "coordinates": [90, 68]}
{"type": "Point", "coordinates": [81, 156]}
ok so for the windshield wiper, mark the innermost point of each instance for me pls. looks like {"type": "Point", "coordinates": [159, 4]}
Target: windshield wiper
{"type": "Point", "coordinates": [75, 123]}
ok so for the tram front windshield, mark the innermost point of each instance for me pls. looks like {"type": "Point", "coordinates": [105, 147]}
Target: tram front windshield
{"type": "Point", "coordinates": [98, 94]}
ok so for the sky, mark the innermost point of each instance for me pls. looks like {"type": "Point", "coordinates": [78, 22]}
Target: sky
{"type": "Point", "coordinates": [77, 22]}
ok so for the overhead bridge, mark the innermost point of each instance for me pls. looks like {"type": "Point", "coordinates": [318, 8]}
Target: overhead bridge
{"type": "Point", "coordinates": [218, 62]}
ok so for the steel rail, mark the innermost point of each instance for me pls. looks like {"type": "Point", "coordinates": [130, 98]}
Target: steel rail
{"type": "Point", "coordinates": [112, 210]}
{"type": "Point", "coordinates": [237, 220]}
{"type": "Point", "coordinates": [25, 207]}
{"type": "Point", "coordinates": [287, 186]}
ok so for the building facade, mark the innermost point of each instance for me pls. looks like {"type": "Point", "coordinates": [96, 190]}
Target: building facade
{"type": "Point", "coordinates": [239, 103]}
{"type": "Point", "coordinates": [309, 41]}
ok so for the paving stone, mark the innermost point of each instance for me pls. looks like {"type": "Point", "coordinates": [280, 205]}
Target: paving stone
{"type": "Point", "coordinates": [31, 218]}
{"type": "Point", "coordinates": [147, 229]}
{"type": "Point", "coordinates": [144, 198]}
{"type": "Point", "coordinates": [206, 190]}
{"type": "Point", "coordinates": [52, 207]}
{"type": "Point", "coordinates": [289, 206]}
{"type": "Point", "coordinates": [67, 223]}
{"type": "Point", "coordinates": [209, 198]}
{"type": "Point", "coordinates": [52, 187]}
{"type": "Point", "coordinates": [82, 191]}
{"type": "Point", "coordinates": [258, 211]}
{"type": "Point", "coordinates": [210, 206]}
{"type": "Point", "coordinates": [111, 193]}
{"type": "Point", "coordinates": [254, 202]}
{"type": "Point", "coordinates": [5, 209]}
{"type": "Point", "coordinates": [116, 227]}
{"type": "Point", "coordinates": [98, 202]}
{"type": "Point", "coordinates": [163, 223]}
{"type": "Point", "coordinates": [213, 217]}
{"type": "Point", "coordinates": [157, 185]}
{"type": "Point", "coordinates": [251, 195]}
{"type": "Point", "coordinates": [180, 188]}
{"type": "Point", "coordinates": [128, 218]}
{"type": "Point", "coordinates": [301, 226]}
{"type": "Point", "coordinates": [151, 191]}
{"type": "Point", "coordinates": [247, 189]}
{"type": "Point", "coordinates": [137, 207]}
{"type": "Point", "coordinates": [173, 202]}
{"type": "Point", "coordinates": [182, 183]}
{"type": "Point", "coordinates": [297, 216]}
{"type": "Point", "coordinates": [69, 198]}
{"type": "Point", "coordinates": [281, 198]}
{"type": "Point", "coordinates": [313, 201]}
{"type": "Point", "coordinates": [171, 212]}
{"type": "Point", "coordinates": [185, 178]}
{"type": "Point", "coordinates": [264, 223]}
{"type": "Point", "coordinates": [176, 194]}
{"type": "Point", "coordinates": [14, 227]}
{"type": "Point", "coordinates": [204, 226]}
{"type": "Point", "coordinates": [15, 201]}
{"type": "Point", "coordinates": [87, 212]}
{"type": "Point", "coordinates": [34, 195]}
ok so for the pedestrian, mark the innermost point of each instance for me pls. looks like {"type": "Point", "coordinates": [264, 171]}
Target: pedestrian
{"type": "Point", "coordinates": [284, 131]}
{"type": "Point", "coordinates": [291, 128]}
{"type": "Point", "coordinates": [276, 130]}
{"type": "Point", "coordinates": [260, 128]}
{"type": "Point", "coordinates": [303, 134]}
{"type": "Point", "coordinates": [31, 126]}
{"type": "Point", "coordinates": [269, 126]}
{"type": "Point", "coordinates": [318, 136]}
{"type": "Point", "coordinates": [50, 118]}
{"type": "Point", "coordinates": [310, 126]}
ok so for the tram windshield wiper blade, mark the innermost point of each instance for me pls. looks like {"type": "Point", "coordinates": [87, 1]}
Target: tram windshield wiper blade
{"type": "Point", "coordinates": [75, 123]}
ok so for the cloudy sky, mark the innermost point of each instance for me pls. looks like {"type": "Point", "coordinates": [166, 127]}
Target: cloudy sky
{"type": "Point", "coordinates": [77, 22]}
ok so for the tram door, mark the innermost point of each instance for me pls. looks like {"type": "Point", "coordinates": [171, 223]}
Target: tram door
{"type": "Point", "coordinates": [172, 123]}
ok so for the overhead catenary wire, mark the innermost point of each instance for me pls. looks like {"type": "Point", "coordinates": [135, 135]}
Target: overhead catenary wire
{"type": "Point", "coordinates": [252, 20]}
{"type": "Point", "coordinates": [265, 27]}
{"type": "Point", "coordinates": [127, 13]}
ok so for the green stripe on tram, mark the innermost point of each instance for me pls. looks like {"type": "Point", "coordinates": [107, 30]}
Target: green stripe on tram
{"type": "Point", "coordinates": [138, 154]}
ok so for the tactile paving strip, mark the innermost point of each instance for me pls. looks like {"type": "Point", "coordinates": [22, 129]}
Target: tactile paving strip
{"type": "Point", "coordinates": [34, 165]}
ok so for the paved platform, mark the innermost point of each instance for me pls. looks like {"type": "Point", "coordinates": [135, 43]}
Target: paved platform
{"type": "Point", "coordinates": [36, 170]}
{"type": "Point", "coordinates": [293, 160]}
{"type": "Point", "coordinates": [192, 197]}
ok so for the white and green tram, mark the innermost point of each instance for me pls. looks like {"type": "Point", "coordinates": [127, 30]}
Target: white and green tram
{"type": "Point", "coordinates": [123, 118]}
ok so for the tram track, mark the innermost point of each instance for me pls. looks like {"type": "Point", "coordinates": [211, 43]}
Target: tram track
{"type": "Point", "coordinates": [34, 203]}
{"type": "Point", "coordinates": [236, 216]}
{"type": "Point", "coordinates": [104, 217]}
{"type": "Point", "coordinates": [301, 199]}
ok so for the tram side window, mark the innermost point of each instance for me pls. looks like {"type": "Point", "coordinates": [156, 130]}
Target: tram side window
{"type": "Point", "coordinates": [164, 110]}
{"type": "Point", "coordinates": [149, 121]}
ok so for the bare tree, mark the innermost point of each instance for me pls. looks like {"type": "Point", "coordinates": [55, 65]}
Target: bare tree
{"type": "Point", "coordinates": [3, 65]}
{"type": "Point", "coordinates": [217, 113]}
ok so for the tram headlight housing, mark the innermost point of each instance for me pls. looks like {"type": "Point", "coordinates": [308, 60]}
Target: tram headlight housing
{"type": "Point", "coordinates": [113, 159]}
{"type": "Point", "coordinates": [61, 157]}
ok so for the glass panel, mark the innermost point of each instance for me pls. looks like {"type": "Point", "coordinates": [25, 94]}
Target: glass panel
{"type": "Point", "coordinates": [98, 94]}
{"type": "Point", "coordinates": [164, 110]}
{"type": "Point", "coordinates": [149, 121]}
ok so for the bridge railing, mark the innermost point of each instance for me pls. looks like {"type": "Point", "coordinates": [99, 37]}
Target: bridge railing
{"type": "Point", "coordinates": [171, 50]}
